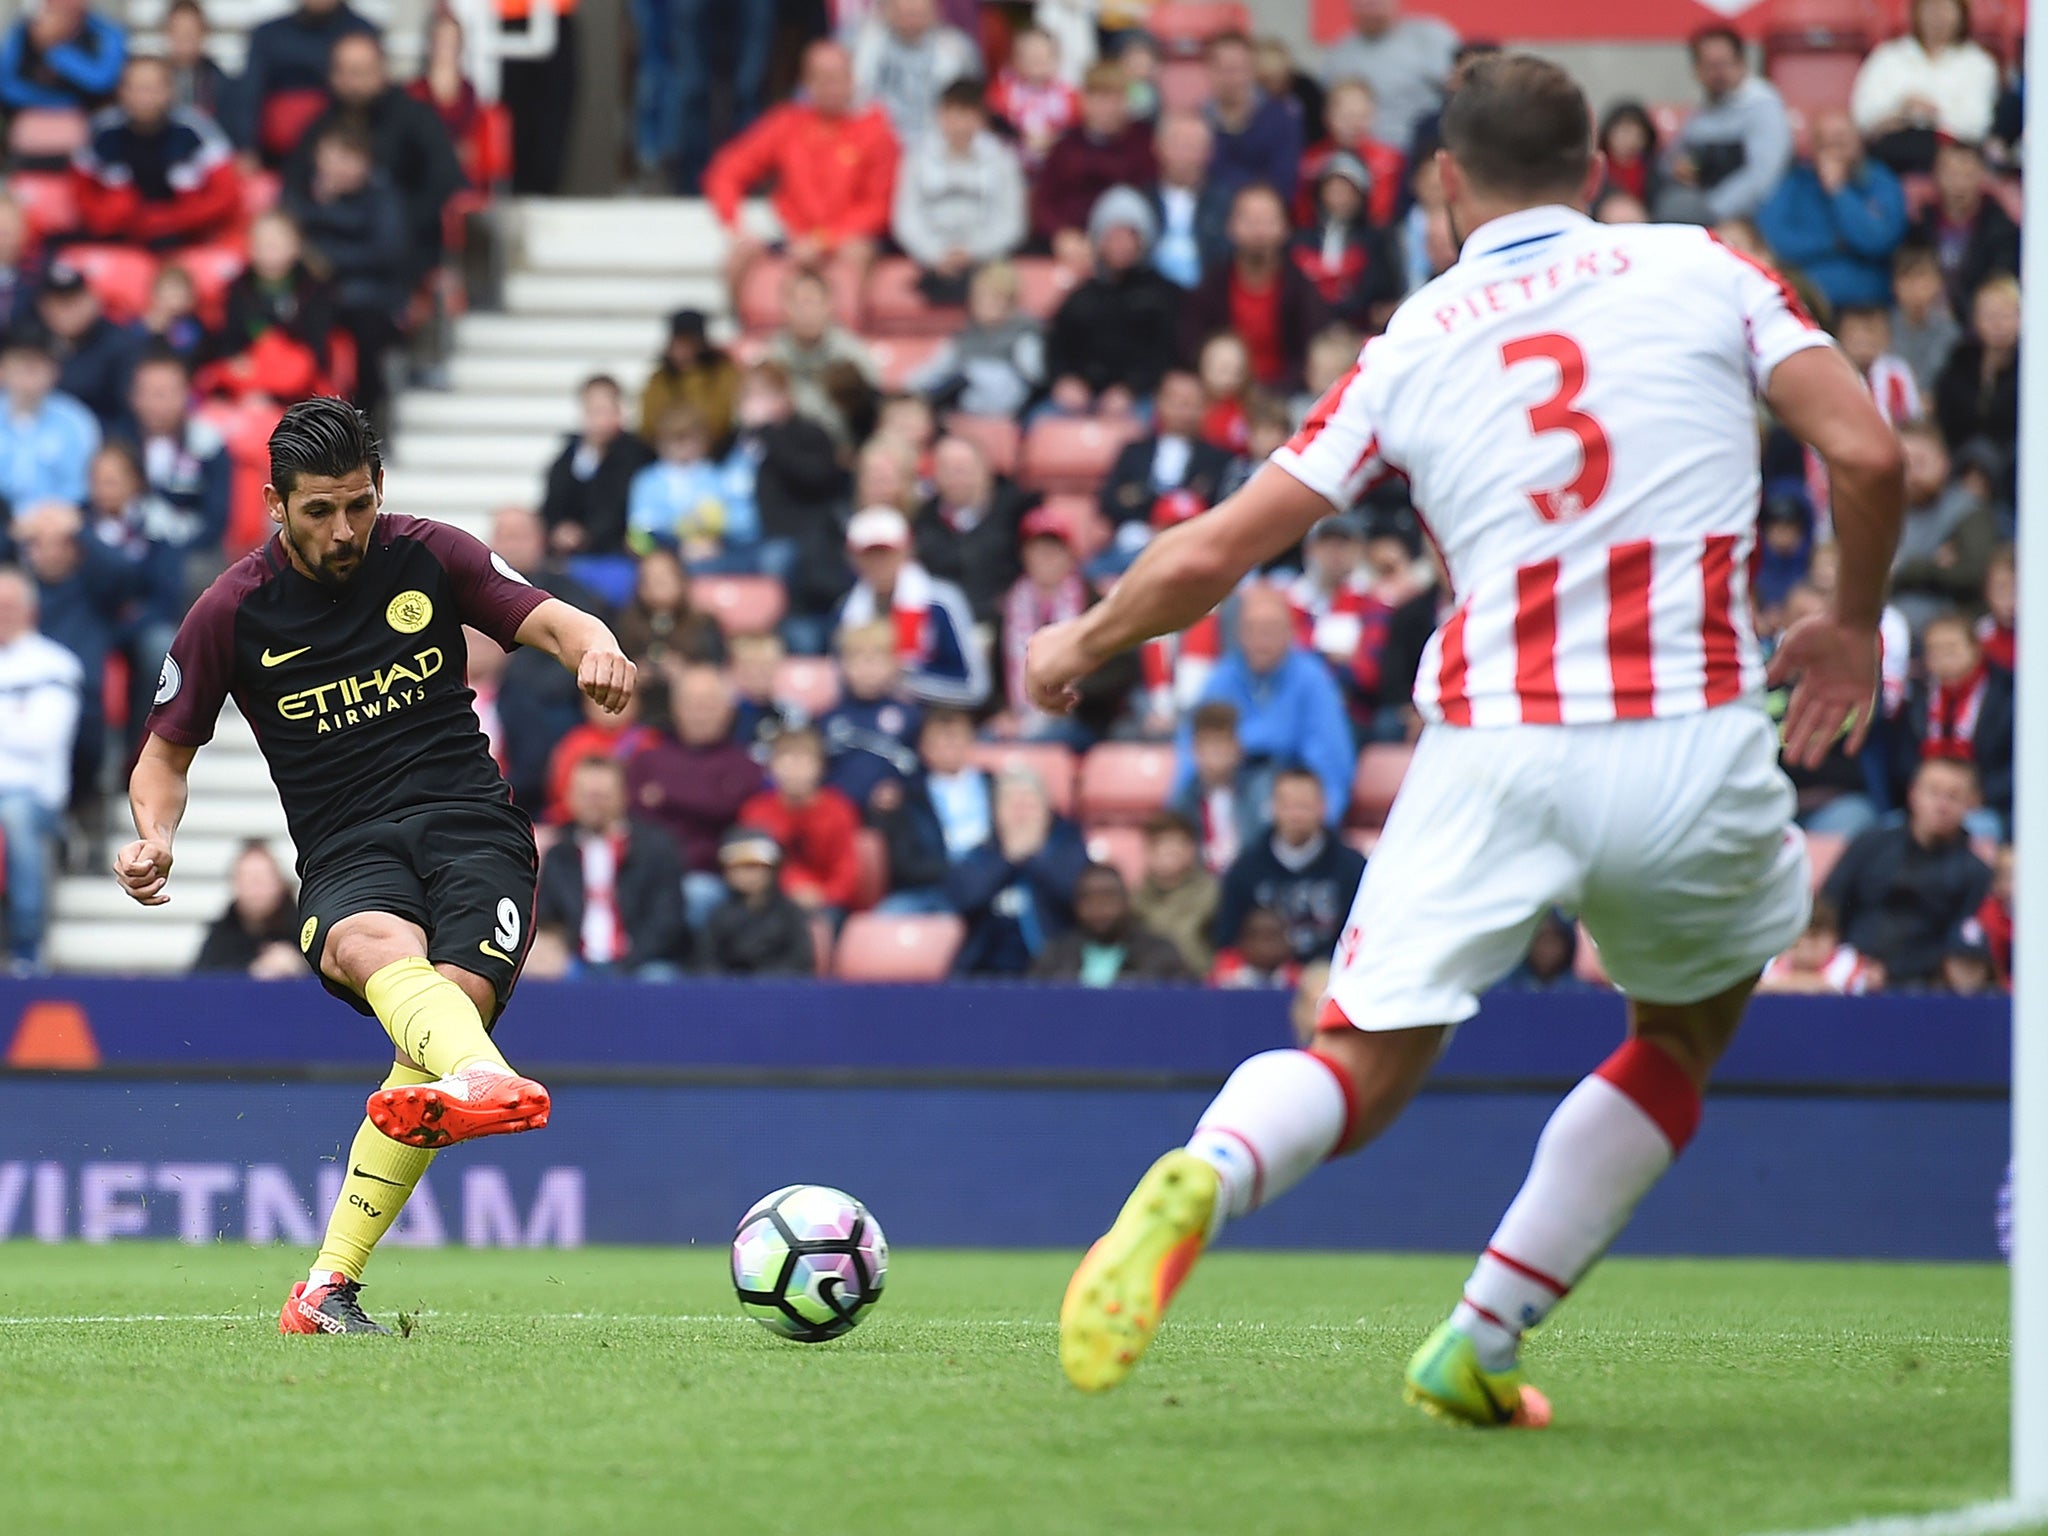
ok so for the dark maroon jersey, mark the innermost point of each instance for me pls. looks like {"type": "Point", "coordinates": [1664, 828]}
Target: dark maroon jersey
{"type": "Point", "coordinates": [358, 694]}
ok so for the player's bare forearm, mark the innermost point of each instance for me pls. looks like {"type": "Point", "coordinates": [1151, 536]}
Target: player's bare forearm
{"type": "Point", "coordinates": [156, 798]}
{"type": "Point", "coordinates": [586, 646]}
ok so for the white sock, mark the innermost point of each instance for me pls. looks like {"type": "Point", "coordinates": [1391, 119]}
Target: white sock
{"type": "Point", "coordinates": [1605, 1146]}
{"type": "Point", "coordinates": [317, 1277]}
{"type": "Point", "coordinates": [1281, 1115]}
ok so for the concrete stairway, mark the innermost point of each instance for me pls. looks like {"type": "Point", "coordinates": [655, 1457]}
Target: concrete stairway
{"type": "Point", "coordinates": [588, 290]}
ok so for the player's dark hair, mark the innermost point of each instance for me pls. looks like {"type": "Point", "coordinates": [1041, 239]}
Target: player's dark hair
{"type": "Point", "coordinates": [1715, 33]}
{"type": "Point", "coordinates": [1520, 126]}
{"type": "Point", "coordinates": [326, 437]}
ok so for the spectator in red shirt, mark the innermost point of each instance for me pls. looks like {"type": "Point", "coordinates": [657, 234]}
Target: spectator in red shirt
{"type": "Point", "coordinates": [815, 824]}
{"type": "Point", "coordinates": [1030, 96]}
{"type": "Point", "coordinates": [1259, 294]}
{"type": "Point", "coordinates": [834, 170]}
{"type": "Point", "coordinates": [1106, 149]}
{"type": "Point", "coordinates": [1349, 113]}
{"type": "Point", "coordinates": [152, 174]}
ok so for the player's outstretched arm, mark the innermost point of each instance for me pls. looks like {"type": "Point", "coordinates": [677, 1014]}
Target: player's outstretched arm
{"type": "Point", "coordinates": [581, 642]}
{"type": "Point", "coordinates": [156, 797]}
{"type": "Point", "coordinates": [1834, 656]}
{"type": "Point", "coordinates": [1181, 575]}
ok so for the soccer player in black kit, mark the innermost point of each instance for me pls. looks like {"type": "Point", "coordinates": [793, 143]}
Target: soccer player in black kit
{"type": "Point", "coordinates": [340, 639]}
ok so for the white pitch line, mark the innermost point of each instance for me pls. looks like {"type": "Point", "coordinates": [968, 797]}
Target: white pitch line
{"type": "Point", "coordinates": [1971, 1520]}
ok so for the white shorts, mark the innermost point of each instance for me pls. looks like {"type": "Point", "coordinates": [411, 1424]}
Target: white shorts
{"type": "Point", "coordinates": [1672, 839]}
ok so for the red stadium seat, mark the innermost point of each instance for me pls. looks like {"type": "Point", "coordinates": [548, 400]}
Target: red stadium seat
{"type": "Point", "coordinates": [996, 436]}
{"type": "Point", "coordinates": [1380, 771]}
{"type": "Point", "coordinates": [809, 682]}
{"type": "Point", "coordinates": [898, 358]}
{"type": "Point", "coordinates": [759, 300]}
{"type": "Point", "coordinates": [1122, 849]}
{"type": "Point", "coordinates": [1126, 781]}
{"type": "Point", "coordinates": [1181, 27]}
{"type": "Point", "coordinates": [873, 856]}
{"type": "Point", "coordinates": [212, 268]}
{"type": "Point", "coordinates": [1073, 455]}
{"type": "Point", "coordinates": [1042, 285]}
{"type": "Point", "coordinates": [47, 201]}
{"type": "Point", "coordinates": [743, 605]}
{"type": "Point", "coordinates": [1823, 852]}
{"type": "Point", "coordinates": [1183, 85]}
{"type": "Point", "coordinates": [894, 306]}
{"type": "Point", "coordinates": [874, 947]}
{"type": "Point", "coordinates": [121, 277]}
{"type": "Point", "coordinates": [1821, 26]}
{"type": "Point", "coordinates": [1053, 763]}
{"type": "Point", "coordinates": [46, 136]}
{"type": "Point", "coordinates": [284, 118]}
{"type": "Point", "coordinates": [1815, 82]}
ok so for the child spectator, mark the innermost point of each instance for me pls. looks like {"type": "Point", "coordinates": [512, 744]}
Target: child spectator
{"type": "Point", "coordinates": [196, 81]}
{"type": "Point", "coordinates": [1966, 968]}
{"type": "Point", "coordinates": [172, 318]}
{"type": "Point", "coordinates": [1298, 869]}
{"type": "Point", "coordinates": [273, 340]}
{"type": "Point", "coordinates": [995, 364]}
{"type": "Point", "coordinates": [1547, 963]}
{"type": "Point", "coordinates": [618, 738]}
{"type": "Point", "coordinates": [813, 352]}
{"type": "Point", "coordinates": [47, 439]}
{"type": "Point", "coordinates": [1341, 253]}
{"type": "Point", "coordinates": [908, 422]}
{"type": "Point", "coordinates": [1225, 369]}
{"type": "Point", "coordinates": [760, 716]}
{"type": "Point", "coordinates": [1137, 55]}
{"type": "Point", "coordinates": [1259, 958]}
{"type": "Point", "coordinates": [1016, 891]}
{"type": "Point", "coordinates": [155, 174]}
{"type": "Point", "coordinates": [612, 884]}
{"type": "Point", "coordinates": [1104, 149]}
{"type": "Point", "coordinates": [1268, 423]}
{"type": "Point", "coordinates": [755, 930]}
{"type": "Point", "coordinates": [814, 824]}
{"type": "Point", "coordinates": [868, 733]}
{"type": "Point", "coordinates": [1219, 800]}
{"type": "Point", "coordinates": [679, 500]}
{"type": "Point", "coordinates": [1865, 332]}
{"type": "Point", "coordinates": [1050, 591]}
{"type": "Point", "coordinates": [1997, 634]}
{"type": "Point", "coordinates": [591, 480]}
{"type": "Point", "coordinates": [1820, 964]}
{"type": "Point", "coordinates": [1029, 95]}
{"type": "Point", "coordinates": [1629, 141]}
{"type": "Point", "coordinates": [1109, 945]}
{"type": "Point", "coordinates": [661, 626]}
{"type": "Point", "coordinates": [1348, 113]}
{"type": "Point", "coordinates": [1117, 334]}
{"type": "Point", "coordinates": [1963, 712]}
{"type": "Point", "coordinates": [444, 86]}
{"type": "Point", "coordinates": [933, 624]}
{"type": "Point", "coordinates": [1924, 332]}
{"type": "Point", "coordinates": [1177, 898]}
{"type": "Point", "coordinates": [959, 197]}
{"type": "Point", "coordinates": [933, 816]}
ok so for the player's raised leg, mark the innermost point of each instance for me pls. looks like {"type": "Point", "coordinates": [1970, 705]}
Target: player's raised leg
{"type": "Point", "coordinates": [435, 1016]}
{"type": "Point", "coordinates": [1604, 1148]}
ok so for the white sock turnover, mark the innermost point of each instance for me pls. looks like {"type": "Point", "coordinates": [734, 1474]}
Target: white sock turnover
{"type": "Point", "coordinates": [1281, 1114]}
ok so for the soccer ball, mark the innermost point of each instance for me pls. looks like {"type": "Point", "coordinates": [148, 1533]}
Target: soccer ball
{"type": "Point", "coordinates": [808, 1261]}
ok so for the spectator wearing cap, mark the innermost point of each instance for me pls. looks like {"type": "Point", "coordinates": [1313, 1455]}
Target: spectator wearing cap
{"type": "Point", "coordinates": [1735, 146]}
{"type": "Point", "coordinates": [47, 438]}
{"type": "Point", "coordinates": [1016, 891]}
{"type": "Point", "coordinates": [1052, 590]}
{"type": "Point", "coordinates": [184, 459]}
{"type": "Point", "coordinates": [833, 165]}
{"type": "Point", "coordinates": [1191, 206]}
{"type": "Point", "coordinates": [1342, 252]}
{"type": "Point", "coordinates": [1350, 118]}
{"type": "Point", "coordinates": [406, 143]}
{"type": "Point", "coordinates": [755, 930]}
{"type": "Point", "coordinates": [95, 357]}
{"type": "Point", "coordinates": [1116, 334]}
{"type": "Point", "coordinates": [1296, 868]}
{"type": "Point", "coordinates": [693, 783]}
{"type": "Point", "coordinates": [1934, 80]}
{"type": "Point", "coordinates": [1288, 709]}
{"type": "Point", "coordinates": [1407, 61]}
{"type": "Point", "coordinates": [816, 826]}
{"type": "Point", "coordinates": [153, 174]}
{"type": "Point", "coordinates": [1109, 944]}
{"type": "Point", "coordinates": [352, 217]}
{"type": "Point", "coordinates": [287, 63]}
{"type": "Point", "coordinates": [612, 884]}
{"type": "Point", "coordinates": [1924, 329]}
{"type": "Point", "coordinates": [959, 197]}
{"type": "Point", "coordinates": [60, 55]}
{"type": "Point", "coordinates": [931, 619]}
{"type": "Point", "coordinates": [692, 372]}
{"type": "Point", "coordinates": [196, 81]}
{"type": "Point", "coordinates": [904, 57]}
{"type": "Point", "coordinates": [591, 479]}
{"type": "Point", "coordinates": [1105, 149]}
{"type": "Point", "coordinates": [1838, 216]}
{"type": "Point", "coordinates": [1258, 294]}
{"type": "Point", "coordinates": [966, 532]}
{"type": "Point", "coordinates": [1903, 886]}
{"type": "Point", "coordinates": [1976, 395]}
{"type": "Point", "coordinates": [1968, 230]}
{"type": "Point", "coordinates": [1966, 964]}
{"type": "Point", "coordinates": [1257, 137]}
{"type": "Point", "coordinates": [40, 687]}
{"type": "Point", "coordinates": [1172, 457]}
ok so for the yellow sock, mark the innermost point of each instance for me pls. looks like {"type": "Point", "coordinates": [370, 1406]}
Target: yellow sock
{"type": "Point", "coordinates": [429, 1018]}
{"type": "Point", "coordinates": [382, 1175]}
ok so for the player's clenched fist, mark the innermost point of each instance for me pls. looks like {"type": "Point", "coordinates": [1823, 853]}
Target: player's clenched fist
{"type": "Point", "coordinates": [142, 868]}
{"type": "Point", "coordinates": [608, 677]}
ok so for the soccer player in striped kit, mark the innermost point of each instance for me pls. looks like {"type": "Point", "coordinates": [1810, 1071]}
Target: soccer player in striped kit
{"type": "Point", "coordinates": [1574, 408]}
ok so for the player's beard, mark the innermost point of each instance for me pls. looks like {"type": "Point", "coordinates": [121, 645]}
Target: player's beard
{"type": "Point", "coordinates": [334, 569]}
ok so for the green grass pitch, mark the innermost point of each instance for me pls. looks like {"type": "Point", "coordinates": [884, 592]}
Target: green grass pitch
{"type": "Point", "coordinates": [618, 1391]}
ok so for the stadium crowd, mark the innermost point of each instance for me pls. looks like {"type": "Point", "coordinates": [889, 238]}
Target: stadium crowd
{"type": "Point", "coordinates": [1040, 290]}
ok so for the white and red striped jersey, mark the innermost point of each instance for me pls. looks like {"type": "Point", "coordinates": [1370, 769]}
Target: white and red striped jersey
{"type": "Point", "coordinates": [1574, 407]}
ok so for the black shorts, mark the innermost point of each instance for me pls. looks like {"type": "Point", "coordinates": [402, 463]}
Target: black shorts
{"type": "Point", "coordinates": [464, 873]}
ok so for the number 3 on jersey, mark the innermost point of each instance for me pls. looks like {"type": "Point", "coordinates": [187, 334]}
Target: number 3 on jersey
{"type": "Point", "coordinates": [1559, 412]}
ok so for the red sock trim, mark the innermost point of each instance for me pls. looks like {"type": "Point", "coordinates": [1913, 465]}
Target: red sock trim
{"type": "Point", "coordinates": [1252, 1152]}
{"type": "Point", "coordinates": [1507, 1261]}
{"type": "Point", "coordinates": [1350, 1091]}
{"type": "Point", "coordinates": [1490, 1317]}
{"type": "Point", "coordinates": [1658, 1088]}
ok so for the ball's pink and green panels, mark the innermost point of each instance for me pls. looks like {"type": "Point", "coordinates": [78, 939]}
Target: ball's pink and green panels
{"type": "Point", "coordinates": [814, 1214]}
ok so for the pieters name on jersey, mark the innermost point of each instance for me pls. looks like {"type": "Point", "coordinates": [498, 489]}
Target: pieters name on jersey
{"type": "Point", "coordinates": [358, 694]}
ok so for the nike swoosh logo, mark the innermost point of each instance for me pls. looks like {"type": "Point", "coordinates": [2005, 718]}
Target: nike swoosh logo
{"type": "Point", "coordinates": [496, 954]}
{"type": "Point", "coordinates": [374, 1179]}
{"type": "Point", "coordinates": [278, 660]}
